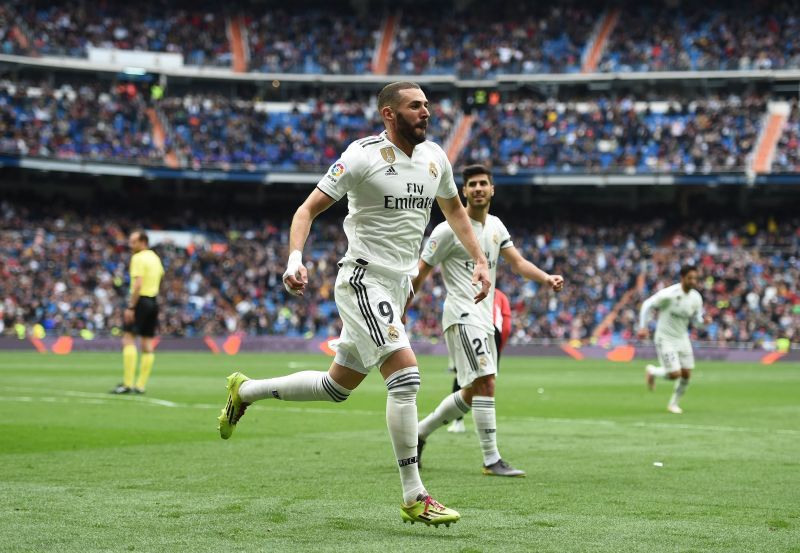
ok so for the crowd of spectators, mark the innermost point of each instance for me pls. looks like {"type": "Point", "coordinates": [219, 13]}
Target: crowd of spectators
{"type": "Point", "coordinates": [68, 272]}
{"type": "Point", "coordinates": [216, 131]}
{"type": "Point", "coordinates": [485, 40]}
{"type": "Point", "coordinates": [211, 130]}
{"type": "Point", "coordinates": [471, 40]}
{"type": "Point", "coordinates": [335, 41]}
{"type": "Point", "coordinates": [787, 150]}
{"type": "Point", "coordinates": [625, 134]}
{"type": "Point", "coordinates": [91, 122]}
{"type": "Point", "coordinates": [88, 122]}
{"type": "Point", "coordinates": [705, 37]}
{"type": "Point", "coordinates": [60, 29]}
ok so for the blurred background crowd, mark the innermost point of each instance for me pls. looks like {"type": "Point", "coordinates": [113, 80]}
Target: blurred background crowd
{"type": "Point", "coordinates": [68, 272]}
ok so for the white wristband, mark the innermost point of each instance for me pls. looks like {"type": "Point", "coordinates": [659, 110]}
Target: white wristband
{"type": "Point", "coordinates": [294, 264]}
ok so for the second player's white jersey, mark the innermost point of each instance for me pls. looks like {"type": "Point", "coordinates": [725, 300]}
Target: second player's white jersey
{"type": "Point", "coordinates": [676, 309]}
{"type": "Point", "coordinates": [389, 199]}
{"type": "Point", "coordinates": [445, 249]}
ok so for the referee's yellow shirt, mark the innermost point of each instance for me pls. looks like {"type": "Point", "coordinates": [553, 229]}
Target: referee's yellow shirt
{"type": "Point", "coordinates": [147, 265]}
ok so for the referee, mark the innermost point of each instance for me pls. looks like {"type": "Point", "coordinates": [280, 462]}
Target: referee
{"type": "Point", "coordinates": [141, 313]}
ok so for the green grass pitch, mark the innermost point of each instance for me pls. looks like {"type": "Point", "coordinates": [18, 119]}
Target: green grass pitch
{"type": "Point", "coordinates": [85, 471]}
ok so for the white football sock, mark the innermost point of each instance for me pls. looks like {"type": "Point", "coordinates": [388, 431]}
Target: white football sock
{"type": "Point", "coordinates": [680, 389]}
{"type": "Point", "coordinates": [302, 386]}
{"type": "Point", "coordinates": [401, 419]}
{"type": "Point", "coordinates": [451, 407]}
{"type": "Point", "coordinates": [483, 414]}
{"type": "Point", "coordinates": [657, 371]}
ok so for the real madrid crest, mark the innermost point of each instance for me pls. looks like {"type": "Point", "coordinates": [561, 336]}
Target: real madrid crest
{"type": "Point", "coordinates": [433, 170]}
{"type": "Point", "coordinates": [393, 333]}
{"type": "Point", "coordinates": [388, 154]}
{"type": "Point", "coordinates": [495, 238]}
{"type": "Point", "coordinates": [483, 362]}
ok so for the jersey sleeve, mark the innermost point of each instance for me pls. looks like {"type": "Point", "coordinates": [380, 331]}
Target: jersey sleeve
{"type": "Point", "coordinates": [136, 267]}
{"type": "Point", "coordinates": [438, 245]}
{"type": "Point", "coordinates": [505, 236]}
{"type": "Point", "coordinates": [657, 300]}
{"type": "Point", "coordinates": [344, 173]}
{"type": "Point", "coordinates": [447, 186]}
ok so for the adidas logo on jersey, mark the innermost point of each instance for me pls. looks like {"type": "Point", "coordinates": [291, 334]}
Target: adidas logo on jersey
{"type": "Point", "coordinates": [390, 172]}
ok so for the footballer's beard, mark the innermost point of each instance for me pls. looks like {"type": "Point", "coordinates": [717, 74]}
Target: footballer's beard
{"type": "Point", "coordinates": [414, 134]}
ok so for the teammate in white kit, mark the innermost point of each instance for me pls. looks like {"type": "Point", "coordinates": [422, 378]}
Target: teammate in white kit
{"type": "Point", "coordinates": [391, 181]}
{"type": "Point", "coordinates": [678, 306]}
{"type": "Point", "coordinates": [468, 328]}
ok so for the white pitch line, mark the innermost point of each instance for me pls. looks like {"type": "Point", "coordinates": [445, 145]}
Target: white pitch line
{"type": "Point", "coordinates": [97, 398]}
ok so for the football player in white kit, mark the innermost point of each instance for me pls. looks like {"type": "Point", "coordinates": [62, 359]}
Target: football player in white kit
{"type": "Point", "coordinates": [392, 181]}
{"type": "Point", "coordinates": [468, 328]}
{"type": "Point", "coordinates": [678, 306]}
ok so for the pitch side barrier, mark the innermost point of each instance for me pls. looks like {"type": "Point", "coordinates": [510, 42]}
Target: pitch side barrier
{"type": "Point", "coordinates": [235, 344]}
{"type": "Point", "coordinates": [265, 177]}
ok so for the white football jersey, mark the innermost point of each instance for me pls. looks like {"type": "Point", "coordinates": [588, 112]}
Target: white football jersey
{"type": "Point", "coordinates": [676, 309]}
{"type": "Point", "coordinates": [389, 199]}
{"type": "Point", "coordinates": [445, 249]}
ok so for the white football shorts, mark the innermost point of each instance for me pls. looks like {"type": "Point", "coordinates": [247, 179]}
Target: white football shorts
{"type": "Point", "coordinates": [675, 355]}
{"type": "Point", "coordinates": [471, 351]}
{"type": "Point", "coordinates": [370, 305]}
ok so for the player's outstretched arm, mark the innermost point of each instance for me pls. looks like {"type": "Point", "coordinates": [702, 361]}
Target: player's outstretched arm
{"type": "Point", "coordinates": [644, 314]}
{"type": "Point", "coordinates": [526, 269]}
{"type": "Point", "coordinates": [458, 220]}
{"type": "Point", "coordinates": [295, 277]}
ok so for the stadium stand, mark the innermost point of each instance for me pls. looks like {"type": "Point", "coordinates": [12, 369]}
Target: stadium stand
{"type": "Point", "coordinates": [312, 41]}
{"type": "Point", "coordinates": [709, 36]}
{"type": "Point", "coordinates": [475, 42]}
{"type": "Point", "coordinates": [53, 29]}
{"type": "Point", "coordinates": [684, 135]}
{"type": "Point", "coordinates": [230, 281]}
{"type": "Point", "coordinates": [89, 122]}
{"type": "Point", "coordinates": [487, 40]}
{"type": "Point", "coordinates": [787, 156]}
{"type": "Point", "coordinates": [216, 131]}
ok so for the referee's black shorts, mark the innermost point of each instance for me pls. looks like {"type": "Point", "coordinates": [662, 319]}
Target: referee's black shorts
{"type": "Point", "coordinates": [145, 318]}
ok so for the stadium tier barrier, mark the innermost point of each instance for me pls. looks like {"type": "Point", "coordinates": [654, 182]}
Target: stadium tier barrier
{"type": "Point", "coordinates": [233, 345]}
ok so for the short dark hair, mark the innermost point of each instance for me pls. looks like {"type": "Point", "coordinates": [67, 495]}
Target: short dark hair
{"type": "Point", "coordinates": [686, 269]}
{"type": "Point", "coordinates": [142, 235]}
{"type": "Point", "coordinates": [390, 94]}
{"type": "Point", "coordinates": [477, 169]}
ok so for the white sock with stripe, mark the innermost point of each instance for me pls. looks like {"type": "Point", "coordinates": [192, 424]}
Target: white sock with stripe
{"type": "Point", "coordinates": [483, 414]}
{"type": "Point", "coordinates": [302, 386]}
{"type": "Point", "coordinates": [657, 371]}
{"type": "Point", "coordinates": [451, 407]}
{"type": "Point", "coordinates": [401, 419]}
{"type": "Point", "coordinates": [679, 390]}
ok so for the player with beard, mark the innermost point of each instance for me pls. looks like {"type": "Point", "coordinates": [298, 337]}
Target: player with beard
{"type": "Point", "coordinates": [391, 181]}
